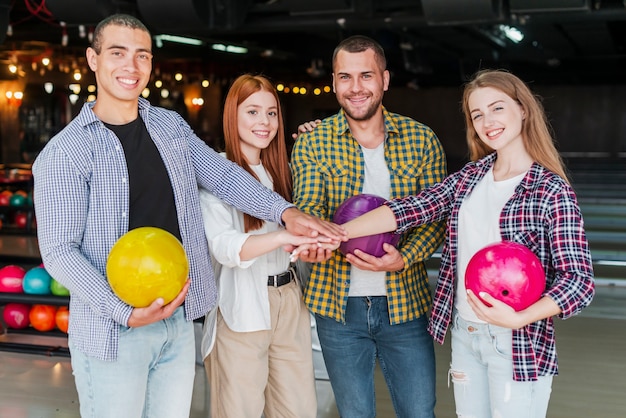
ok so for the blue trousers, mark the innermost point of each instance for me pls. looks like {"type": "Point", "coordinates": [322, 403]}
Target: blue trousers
{"type": "Point", "coordinates": [404, 351]}
{"type": "Point", "coordinates": [151, 378]}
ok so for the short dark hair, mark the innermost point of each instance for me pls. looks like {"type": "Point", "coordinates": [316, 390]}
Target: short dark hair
{"type": "Point", "coordinates": [360, 43]}
{"type": "Point", "coordinates": [118, 20]}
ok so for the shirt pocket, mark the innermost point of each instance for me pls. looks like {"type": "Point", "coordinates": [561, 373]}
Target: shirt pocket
{"type": "Point", "coordinates": [530, 238]}
{"type": "Point", "coordinates": [405, 178]}
{"type": "Point", "coordinates": [340, 182]}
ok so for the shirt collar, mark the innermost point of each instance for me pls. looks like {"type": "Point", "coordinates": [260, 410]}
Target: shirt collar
{"type": "Point", "coordinates": [87, 116]}
{"type": "Point", "coordinates": [343, 127]}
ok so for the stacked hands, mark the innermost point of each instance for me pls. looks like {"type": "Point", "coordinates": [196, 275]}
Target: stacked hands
{"type": "Point", "coordinates": [320, 248]}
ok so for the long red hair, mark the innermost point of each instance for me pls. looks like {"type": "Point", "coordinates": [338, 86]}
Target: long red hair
{"type": "Point", "coordinates": [274, 158]}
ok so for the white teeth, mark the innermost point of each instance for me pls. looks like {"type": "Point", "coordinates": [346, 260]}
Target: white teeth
{"type": "Point", "coordinates": [494, 133]}
{"type": "Point", "coordinates": [128, 81]}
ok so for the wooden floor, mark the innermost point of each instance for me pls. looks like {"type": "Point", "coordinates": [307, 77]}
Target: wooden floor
{"type": "Point", "coordinates": [592, 383]}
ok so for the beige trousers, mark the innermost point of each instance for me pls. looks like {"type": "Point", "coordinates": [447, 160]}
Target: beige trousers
{"type": "Point", "coordinates": [269, 372]}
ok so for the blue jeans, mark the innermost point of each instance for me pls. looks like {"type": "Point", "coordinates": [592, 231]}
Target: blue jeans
{"type": "Point", "coordinates": [152, 376]}
{"type": "Point", "coordinates": [404, 351]}
{"type": "Point", "coordinates": [482, 373]}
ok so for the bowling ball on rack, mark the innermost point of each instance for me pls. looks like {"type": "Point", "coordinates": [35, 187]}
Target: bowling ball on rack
{"type": "Point", "coordinates": [43, 317]}
{"type": "Point", "coordinates": [15, 315]}
{"type": "Point", "coordinates": [145, 264]}
{"type": "Point", "coordinates": [5, 197]}
{"type": "Point", "coordinates": [17, 200]}
{"type": "Point", "coordinates": [58, 289]}
{"type": "Point", "coordinates": [62, 318]}
{"type": "Point", "coordinates": [21, 219]}
{"type": "Point", "coordinates": [370, 244]}
{"type": "Point", "coordinates": [509, 272]}
{"type": "Point", "coordinates": [37, 281]}
{"type": "Point", "coordinates": [11, 278]}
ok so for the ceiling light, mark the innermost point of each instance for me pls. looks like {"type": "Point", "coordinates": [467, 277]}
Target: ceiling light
{"type": "Point", "coordinates": [176, 39]}
{"type": "Point", "coordinates": [230, 48]}
{"type": "Point", "coordinates": [512, 33]}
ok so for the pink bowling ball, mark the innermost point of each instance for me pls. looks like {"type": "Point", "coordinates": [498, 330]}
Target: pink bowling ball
{"type": "Point", "coordinates": [509, 272]}
{"type": "Point", "coordinates": [11, 278]}
{"type": "Point", "coordinates": [15, 315]}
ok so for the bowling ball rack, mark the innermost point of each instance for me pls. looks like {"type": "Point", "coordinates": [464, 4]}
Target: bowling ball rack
{"type": "Point", "coordinates": [51, 350]}
{"type": "Point", "coordinates": [29, 340]}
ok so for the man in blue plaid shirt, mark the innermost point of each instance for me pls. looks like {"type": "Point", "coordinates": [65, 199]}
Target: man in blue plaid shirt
{"type": "Point", "coordinates": [119, 165]}
{"type": "Point", "coordinates": [370, 308]}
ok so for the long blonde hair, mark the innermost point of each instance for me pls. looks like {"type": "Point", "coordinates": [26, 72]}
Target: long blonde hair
{"type": "Point", "coordinates": [274, 158]}
{"type": "Point", "coordinates": [536, 130]}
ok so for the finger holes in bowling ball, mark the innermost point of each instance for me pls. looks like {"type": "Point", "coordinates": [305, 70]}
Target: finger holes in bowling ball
{"type": "Point", "coordinates": [508, 271]}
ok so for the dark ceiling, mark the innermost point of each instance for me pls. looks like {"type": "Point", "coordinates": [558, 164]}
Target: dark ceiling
{"type": "Point", "coordinates": [428, 42]}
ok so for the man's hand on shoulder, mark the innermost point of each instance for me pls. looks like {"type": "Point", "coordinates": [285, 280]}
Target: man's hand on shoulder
{"type": "Point", "coordinates": [306, 127]}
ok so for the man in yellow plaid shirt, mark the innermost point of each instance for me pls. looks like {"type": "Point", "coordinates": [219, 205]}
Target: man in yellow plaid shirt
{"type": "Point", "coordinates": [370, 308]}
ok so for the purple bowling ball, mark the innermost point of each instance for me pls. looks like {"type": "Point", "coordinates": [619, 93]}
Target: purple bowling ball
{"type": "Point", "coordinates": [371, 244]}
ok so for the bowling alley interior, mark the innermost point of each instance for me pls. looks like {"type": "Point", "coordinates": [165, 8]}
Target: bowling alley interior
{"type": "Point", "coordinates": [572, 53]}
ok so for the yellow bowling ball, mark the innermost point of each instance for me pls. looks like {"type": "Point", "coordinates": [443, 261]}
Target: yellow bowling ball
{"type": "Point", "coordinates": [145, 264]}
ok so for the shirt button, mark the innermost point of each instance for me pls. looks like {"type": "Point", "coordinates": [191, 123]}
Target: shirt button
{"type": "Point", "coordinates": [124, 180]}
{"type": "Point", "coordinates": [123, 214]}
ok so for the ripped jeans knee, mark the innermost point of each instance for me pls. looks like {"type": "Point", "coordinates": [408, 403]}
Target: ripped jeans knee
{"type": "Point", "coordinates": [458, 377]}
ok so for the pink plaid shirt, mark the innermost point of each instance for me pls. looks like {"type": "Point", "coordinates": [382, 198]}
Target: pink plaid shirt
{"type": "Point", "coordinates": [543, 214]}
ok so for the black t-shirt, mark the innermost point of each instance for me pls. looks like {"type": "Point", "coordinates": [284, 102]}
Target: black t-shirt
{"type": "Point", "coordinates": [151, 194]}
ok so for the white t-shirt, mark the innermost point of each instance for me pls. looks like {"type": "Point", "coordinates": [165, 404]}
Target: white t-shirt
{"type": "Point", "coordinates": [479, 225]}
{"type": "Point", "coordinates": [376, 182]}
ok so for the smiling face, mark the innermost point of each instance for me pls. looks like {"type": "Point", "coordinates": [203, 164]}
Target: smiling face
{"type": "Point", "coordinates": [496, 117]}
{"type": "Point", "coordinates": [359, 83]}
{"type": "Point", "coordinates": [122, 68]}
{"type": "Point", "coordinates": [257, 124]}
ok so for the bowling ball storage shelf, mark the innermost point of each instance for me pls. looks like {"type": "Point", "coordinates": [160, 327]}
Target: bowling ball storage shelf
{"type": "Point", "coordinates": [34, 299]}
{"type": "Point", "coordinates": [17, 215]}
{"type": "Point", "coordinates": [28, 340]}
{"type": "Point", "coordinates": [23, 250]}
{"type": "Point", "coordinates": [17, 220]}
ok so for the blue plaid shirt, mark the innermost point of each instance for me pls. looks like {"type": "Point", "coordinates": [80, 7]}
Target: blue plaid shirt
{"type": "Point", "coordinates": [543, 214]}
{"type": "Point", "coordinates": [82, 202]}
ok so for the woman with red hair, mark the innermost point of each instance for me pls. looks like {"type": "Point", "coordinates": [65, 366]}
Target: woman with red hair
{"type": "Point", "coordinates": [257, 341]}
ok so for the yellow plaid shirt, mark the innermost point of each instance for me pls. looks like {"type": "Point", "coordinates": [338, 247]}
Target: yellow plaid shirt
{"type": "Point", "coordinates": [328, 168]}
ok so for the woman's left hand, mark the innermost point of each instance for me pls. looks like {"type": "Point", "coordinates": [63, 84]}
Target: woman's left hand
{"type": "Point", "coordinates": [502, 315]}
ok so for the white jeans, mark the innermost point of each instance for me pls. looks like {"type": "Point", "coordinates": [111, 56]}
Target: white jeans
{"type": "Point", "coordinates": [482, 373]}
{"type": "Point", "coordinates": [151, 378]}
